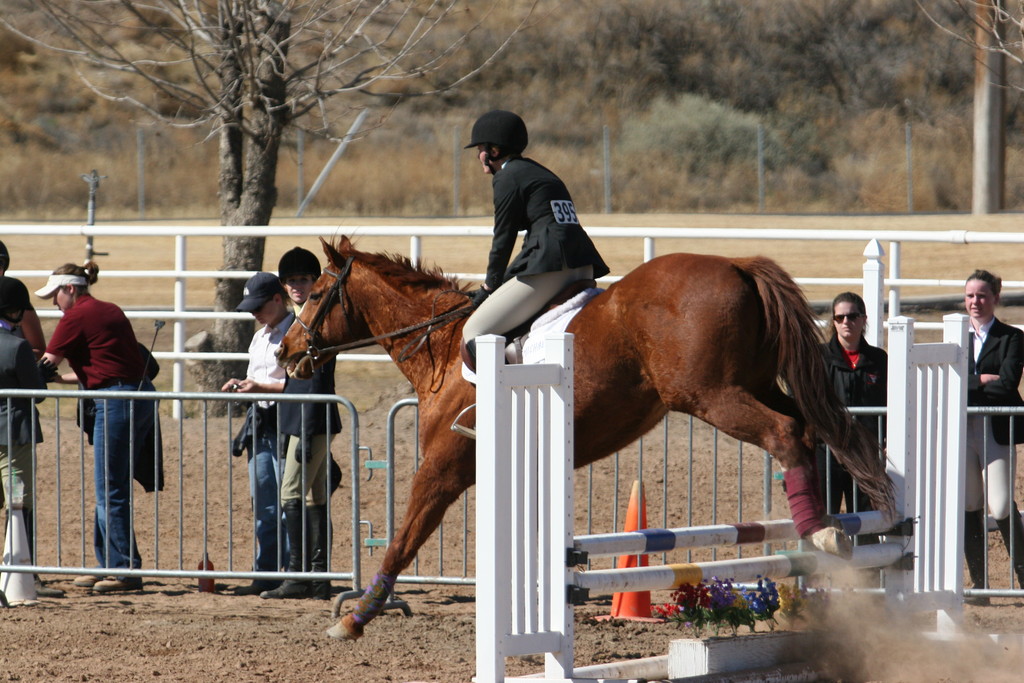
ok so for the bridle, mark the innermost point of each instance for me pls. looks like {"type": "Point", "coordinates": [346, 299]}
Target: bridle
{"type": "Point", "coordinates": [336, 295]}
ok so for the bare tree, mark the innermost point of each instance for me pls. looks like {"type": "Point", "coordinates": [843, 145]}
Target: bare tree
{"type": "Point", "coordinates": [247, 70]}
{"type": "Point", "coordinates": [991, 25]}
{"type": "Point", "coordinates": [995, 30]}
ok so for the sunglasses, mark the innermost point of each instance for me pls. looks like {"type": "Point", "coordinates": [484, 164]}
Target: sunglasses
{"type": "Point", "coordinates": [852, 317]}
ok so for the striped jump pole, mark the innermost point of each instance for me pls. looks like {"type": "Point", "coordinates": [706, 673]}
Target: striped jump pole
{"type": "Point", "coordinates": [648, 541]}
{"type": "Point", "coordinates": [780, 566]}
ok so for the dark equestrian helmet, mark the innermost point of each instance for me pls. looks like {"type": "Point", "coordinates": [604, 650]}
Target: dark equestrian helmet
{"type": "Point", "coordinates": [13, 298]}
{"type": "Point", "coordinates": [502, 129]}
{"type": "Point", "coordinates": [5, 257]}
{"type": "Point", "coordinates": [298, 261]}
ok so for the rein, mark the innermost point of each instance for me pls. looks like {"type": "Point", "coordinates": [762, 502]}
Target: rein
{"type": "Point", "coordinates": [313, 329]}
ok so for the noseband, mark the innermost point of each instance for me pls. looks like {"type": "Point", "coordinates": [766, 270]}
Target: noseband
{"type": "Point", "coordinates": [336, 295]}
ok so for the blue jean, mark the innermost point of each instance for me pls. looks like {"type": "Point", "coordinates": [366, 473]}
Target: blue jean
{"type": "Point", "coordinates": [264, 487]}
{"type": "Point", "coordinates": [119, 428]}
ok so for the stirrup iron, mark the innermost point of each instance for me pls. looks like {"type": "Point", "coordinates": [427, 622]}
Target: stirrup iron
{"type": "Point", "coordinates": [462, 430]}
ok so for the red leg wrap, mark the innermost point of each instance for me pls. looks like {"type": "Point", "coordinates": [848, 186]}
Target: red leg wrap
{"type": "Point", "coordinates": [805, 504]}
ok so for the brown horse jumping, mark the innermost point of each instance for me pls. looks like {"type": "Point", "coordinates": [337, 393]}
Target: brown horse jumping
{"type": "Point", "coordinates": [703, 335]}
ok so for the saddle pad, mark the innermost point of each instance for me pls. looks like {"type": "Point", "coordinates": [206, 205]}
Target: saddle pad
{"type": "Point", "coordinates": [554, 321]}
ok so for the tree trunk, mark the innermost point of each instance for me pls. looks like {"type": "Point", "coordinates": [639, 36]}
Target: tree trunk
{"type": "Point", "coordinates": [248, 189]}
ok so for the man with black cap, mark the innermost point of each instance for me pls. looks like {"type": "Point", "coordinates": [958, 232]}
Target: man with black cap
{"type": "Point", "coordinates": [265, 299]}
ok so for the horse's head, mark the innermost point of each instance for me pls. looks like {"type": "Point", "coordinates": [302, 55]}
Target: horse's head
{"type": "Point", "coordinates": [327, 319]}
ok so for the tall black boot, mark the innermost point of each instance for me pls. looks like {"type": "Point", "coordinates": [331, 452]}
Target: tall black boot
{"type": "Point", "coordinates": [292, 589]}
{"type": "Point", "coordinates": [975, 540]}
{"type": "Point", "coordinates": [1012, 530]}
{"type": "Point", "coordinates": [319, 542]}
{"type": "Point", "coordinates": [42, 591]}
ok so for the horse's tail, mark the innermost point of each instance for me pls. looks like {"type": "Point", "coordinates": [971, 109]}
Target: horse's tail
{"type": "Point", "coordinates": [791, 328]}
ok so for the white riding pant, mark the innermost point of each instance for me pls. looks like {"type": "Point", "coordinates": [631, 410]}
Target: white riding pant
{"type": "Point", "coordinates": [519, 299]}
{"type": "Point", "coordinates": [988, 467]}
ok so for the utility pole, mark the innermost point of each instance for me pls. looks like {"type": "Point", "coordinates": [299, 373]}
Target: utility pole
{"type": "Point", "coordinates": [989, 110]}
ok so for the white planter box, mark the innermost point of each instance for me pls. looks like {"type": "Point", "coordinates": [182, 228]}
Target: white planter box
{"type": "Point", "coordinates": [692, 657]}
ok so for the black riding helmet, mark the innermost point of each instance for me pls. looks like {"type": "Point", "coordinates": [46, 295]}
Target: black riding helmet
{"type": "Point", "coordinates": [13, 299]}
{"type": "Point", "coordinates": [5, 257]}
{"type": "Point", "coordinates": [298, 261]}
{"type": "Point", "coordinates": [502, 129]}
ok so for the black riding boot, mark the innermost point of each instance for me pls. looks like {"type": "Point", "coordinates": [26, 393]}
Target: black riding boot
{"type": "Point", "coordinates": [974, 551]}
{"type": "Point", "coordinates": [292, 589]}
{"type": "Point", "coordinates": [1013, 528]}
{"type": "Point", "coordinates": [42, 591]}
{"type": "Point", "coordinates": [319, 542]}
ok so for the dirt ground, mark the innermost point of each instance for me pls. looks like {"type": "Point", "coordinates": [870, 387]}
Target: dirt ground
{"type": "Point", "coordinates": [171, 632]}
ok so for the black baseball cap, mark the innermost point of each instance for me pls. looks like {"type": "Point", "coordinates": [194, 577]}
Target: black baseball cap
{"type": "Point", "coordinates": [260, 288]}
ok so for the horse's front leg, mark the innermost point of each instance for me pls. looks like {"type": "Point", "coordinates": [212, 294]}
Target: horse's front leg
{"type": "Point", "coordinates": [437, 484]}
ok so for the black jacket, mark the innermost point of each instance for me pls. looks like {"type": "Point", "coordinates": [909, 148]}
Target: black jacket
{"type": "Point", "coordinates": [529, 197]}
{"type": "Point", "coordinates": [865, 386]}
{"type": "Point", "coordinates": [1003, 355]}
{"type": "Point", "coordinates": [298, 419]}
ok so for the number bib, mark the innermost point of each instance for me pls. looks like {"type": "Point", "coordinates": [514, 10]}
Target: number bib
{"type": "Point", "coordinates": [564, 211]}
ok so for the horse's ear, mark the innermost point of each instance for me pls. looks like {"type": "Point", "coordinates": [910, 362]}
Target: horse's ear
{"type": "Point", "coordinates": [332, 254]}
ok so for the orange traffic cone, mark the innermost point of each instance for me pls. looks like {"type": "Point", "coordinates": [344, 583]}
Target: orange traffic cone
{"type": "Point", "coordinates": [633, 606]}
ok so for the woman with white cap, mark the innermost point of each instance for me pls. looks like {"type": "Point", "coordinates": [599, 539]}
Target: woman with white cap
{"type": "Point", "coordinates": [99, 344]}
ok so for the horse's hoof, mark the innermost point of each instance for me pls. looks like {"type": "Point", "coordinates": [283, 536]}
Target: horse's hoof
{"type": "Point", "coordinates": [833, 541]}
{"type": "Point", "coordinates": [346, 629]}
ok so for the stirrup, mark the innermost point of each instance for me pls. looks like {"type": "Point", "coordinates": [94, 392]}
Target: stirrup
{"type": "Point", "coordinates": [462, 430]}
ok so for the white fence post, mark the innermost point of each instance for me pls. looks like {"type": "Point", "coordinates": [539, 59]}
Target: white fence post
{"type": "Point", "coordinates": [925, 448]}
{"type": "Point", "coordinates": [873, 289]}
{"type": "Point", "coordinates": [524, 431]}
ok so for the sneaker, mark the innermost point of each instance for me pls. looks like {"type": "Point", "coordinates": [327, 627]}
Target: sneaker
{"type": "Point", "coordinates": [87, 581]}
{"type": "Point", "coordinates": [115, 585]}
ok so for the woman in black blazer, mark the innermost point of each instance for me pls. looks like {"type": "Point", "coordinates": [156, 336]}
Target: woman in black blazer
{"type": "Point", "coordinates": [556, 250]}
{"type": "Point", "coordinates": [994, 371]}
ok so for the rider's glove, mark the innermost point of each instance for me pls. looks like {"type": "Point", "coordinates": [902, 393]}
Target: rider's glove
{"type": "Point", "coordinates": [47, 369]}
{"type": "Point", "coordinates": [478, 297]}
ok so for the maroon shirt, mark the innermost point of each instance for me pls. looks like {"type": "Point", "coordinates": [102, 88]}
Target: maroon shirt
{"type": "Point", "coordinates": [98, 342]}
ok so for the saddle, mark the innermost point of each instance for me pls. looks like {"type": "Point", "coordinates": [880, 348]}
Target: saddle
{"type": "Point", "coordinates": [513, 351]}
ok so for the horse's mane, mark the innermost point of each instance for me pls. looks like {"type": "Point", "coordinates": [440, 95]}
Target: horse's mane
{"type": "Point", "coordinates": [400, 269]}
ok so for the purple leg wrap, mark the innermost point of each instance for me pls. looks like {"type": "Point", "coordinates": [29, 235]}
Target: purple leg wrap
{"type": "Point", "coordinates": [372, 602]}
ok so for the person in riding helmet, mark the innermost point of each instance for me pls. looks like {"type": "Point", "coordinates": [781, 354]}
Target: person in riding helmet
{"type": "Point", "coordinates": [309, 428]}
{"type": "Point", "coordinates": [556, 250]}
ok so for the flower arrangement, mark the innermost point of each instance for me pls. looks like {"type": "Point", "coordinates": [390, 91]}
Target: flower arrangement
{"type": "Point", "coordinates": [719, 604]}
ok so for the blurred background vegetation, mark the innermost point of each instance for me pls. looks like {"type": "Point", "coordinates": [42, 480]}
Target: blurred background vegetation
{"type": "Point", "coordinates": [681, 88]}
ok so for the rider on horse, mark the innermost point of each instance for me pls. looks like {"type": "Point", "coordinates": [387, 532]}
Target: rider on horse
{"type": "Point", "coordinates": [556, 250]}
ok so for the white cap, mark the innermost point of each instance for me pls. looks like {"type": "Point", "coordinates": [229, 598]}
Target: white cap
{"type": "Point", "coordinates": [57, 281]}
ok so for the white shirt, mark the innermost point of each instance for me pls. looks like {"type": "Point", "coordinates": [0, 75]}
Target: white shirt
{"type": "Point", "coordinates": [980, 335]}
{"type": "Point", "coordinates": [263, 367]}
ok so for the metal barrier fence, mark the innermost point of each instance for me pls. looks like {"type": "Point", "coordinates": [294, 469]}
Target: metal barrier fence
{"type": "Point", "coordinates": [204, 508]}
{"type": "Point", "coordinates": [693, 475]}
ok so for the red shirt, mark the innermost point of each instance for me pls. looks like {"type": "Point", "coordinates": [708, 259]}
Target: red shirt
{"type": "Point", "coordinates": [98, 342]}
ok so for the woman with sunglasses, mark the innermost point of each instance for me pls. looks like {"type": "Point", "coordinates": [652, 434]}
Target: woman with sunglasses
{"type": "Point", "coordinates": [859, 373]}
{"type": "Point", "coordinates": [994, 368]}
